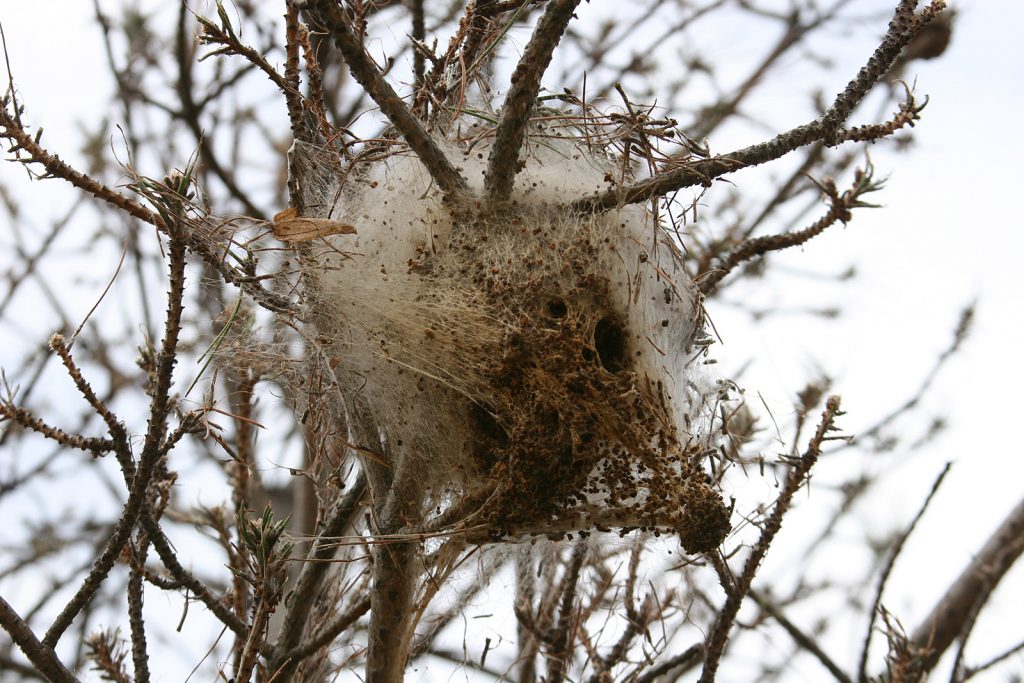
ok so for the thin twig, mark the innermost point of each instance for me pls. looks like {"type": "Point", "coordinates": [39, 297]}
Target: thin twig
{"type": "Point", "coordinates": [839, 211]}
{"type": "Point", "coordinates": [970, 671]}
{"type": "Point", "coordinates": [960, 334]}
{"type": "Point", "coordinates": [28, 420]}
{"type": "Point", "coordinates": [339, 625]}
{"type": "Point", "coordinates": [802, 639]}
{"type": "Point", "coordinates": [827, 129]}
{"type": "Point", "coordinates": [139, 484]}
{"type": "Point", "coordinates": [793, 36]}
{"type": "Point", "coordinates": [114, 425]}
{"type": "Point", "coordinates": [191, 584]}
{"type": "Point", "coordinates": [684, 661]}
{"type": "Point", "coordinates": [890, 562]}
{"type": "Point", "coordinates": [191, 111]}
{"type": "Point", "coordinates": [293, 96]}
{"type": "Point", "coordinates": [419, 34]}
{"type": "Point", "coordinates": [55, 168]}
{"type": "Point", "coordinates": [314, 571]}
{"type": "Point", "coordinates": [799, 470]}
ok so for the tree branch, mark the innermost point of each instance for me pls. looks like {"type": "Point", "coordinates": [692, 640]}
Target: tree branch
{"type": "Point", "coordinates": [973, 587]}
{"type": "Point", "coordinates": [799, 470]}
{"type": "Point", "coordinates": [840, 210]}
{"type": "Point", "coordinates": [329, 632]}
{"type": "Point", "coordinates": [314, 571]}
{"type": "Point", "coordinates": [883, 578]}
{"type": "Point", "coordinates": [801, 638]}
{"type": "Point", "coordinates": [903, 28]}
{"type": "Point", "coordinates": [41, 656]}
{"type": "Point", "coordinates": [21, 141]}
{"type": "Point", "coordinates": [366, 73]}
{"type": "Point", "coordinates": [503, 162]}
{"type": "Point", "coordinates": [139, 484]}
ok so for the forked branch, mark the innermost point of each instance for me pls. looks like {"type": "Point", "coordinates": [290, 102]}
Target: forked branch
{"type": "Point", "coordinates": [799, 471]}
{"type": "Point", "coordinates": [903, 28]}
{"type": "Point", "coordinates": [28, 150]}
{"type": "Point", "coordinates": [840, 211]}
{"type": "Point", "coordinates": [366, 73]}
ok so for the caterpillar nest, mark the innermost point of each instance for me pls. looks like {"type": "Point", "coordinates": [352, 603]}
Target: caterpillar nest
{"type": "Point", "coordinates": [536, 368]}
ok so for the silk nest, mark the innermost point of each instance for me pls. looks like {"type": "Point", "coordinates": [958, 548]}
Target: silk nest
{"type": "Point", "coordinates": [541, 370]}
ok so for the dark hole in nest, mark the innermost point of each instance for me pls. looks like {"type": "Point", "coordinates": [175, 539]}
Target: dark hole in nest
{"type": "Point", "coordinates": [610, 344]}
{"type": "Point", "coordinates": [556, 309]}
{"type": "Point", "coordinates": [493, 439]}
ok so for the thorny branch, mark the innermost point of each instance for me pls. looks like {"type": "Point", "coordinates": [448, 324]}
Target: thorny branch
{"type": "Point", "coordinates": [840, 210]}
{"type": "Point", "coordinates": [151, 449]}
{"type": "Point", "coordinates": [42, 656]}
{"type": "Point", "coordinates": [796, 477]}
{"type": "Point", "coordinates": [503, 163]}
{"type": "Point", "coordinates": [400, 116]}
{"type": "Point", "coordinates": [827, 129]}
{"type": "Point", "coordinates": [22, 142]}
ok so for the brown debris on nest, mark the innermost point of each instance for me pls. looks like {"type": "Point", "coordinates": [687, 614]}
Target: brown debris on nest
{"type": "Point", "coordinates": [530, 361]}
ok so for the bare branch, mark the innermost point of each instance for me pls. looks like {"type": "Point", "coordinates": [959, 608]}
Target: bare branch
{"type": "Point", "coordinates": [314, 571]}
{"type": "Point", "coordinates": [973, 587]}
{"type": "Point", "coordinates": [828, 128]}
{"type": "Point", "coordinates": [684, 661]}
{"type": "Point", "coordinates": [395, 574]}
{"type": "Point", "coordinates": [503, 162]}
{"type": "Point", "coordinates": [969, 672]}
{"type": "Point", "coordinates": [137, 623]}
{"type": "Point", "coordinates": [24, 418]}
{"type": "Point", "coordinates": [799, 470]}
{"type": "Point", "coordinates": [401, 117]}
{"type": "Point", "coordinates": [41, 656]}
{"type": "Point", "coordinates": [890, 562]}
{"type": "Point", "coordinates": [55, 168]}
{"type": "Point", "coordinates": [840, 210]}
{"type": "Point", "coordinates": [151, 450]}
{"type": "Point", "coordinates": [339, 625]}
{"type": "Point", "coordinates": [802, 639]}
